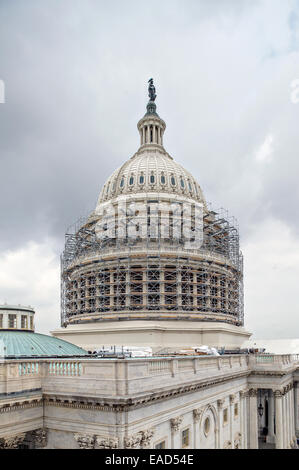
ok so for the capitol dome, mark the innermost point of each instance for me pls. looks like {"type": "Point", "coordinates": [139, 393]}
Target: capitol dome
{"type": "Point", "coordinates": [131, 259]}
{"type": "Point", "coordinates": [151, 170]}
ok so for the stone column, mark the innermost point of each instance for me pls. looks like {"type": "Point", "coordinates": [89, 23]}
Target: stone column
{"type": "Point", "coordinates": [155, 140]}
{"type": "Point", "coordinates": [175, 435]}
{"type": "Point", "coordinates": [231, 416]}
{"type": "Point", "coordinates": [279, 419]}
{"type": "Point", "coordinates": [296, 408]}
{"type": "Point", "coordinates": [243, 418]}
{"type": "Point", "coordinates": [293, 415]}
{"type": "Point", "coordinates": [271, 434]}
{"type": "Point", "coordinates": [196, 418]}
{"type": "Point", "coordinates": [286, 415]}
{"type": "Point", "coordinates": [220, 404]}
{"type": "Point", "coordinates": [253, 419]}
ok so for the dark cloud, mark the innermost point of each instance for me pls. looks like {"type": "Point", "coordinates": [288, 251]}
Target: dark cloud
{"type": "Point", "coordinates": [76, 73]}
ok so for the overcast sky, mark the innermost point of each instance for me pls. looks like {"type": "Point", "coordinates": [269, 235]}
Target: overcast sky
{"type": "Point", "coordinates": [75, 75]}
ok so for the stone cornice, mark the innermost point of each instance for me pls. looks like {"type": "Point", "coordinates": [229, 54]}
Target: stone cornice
{"type": "Point", "coordinates": [16, 406]}
{"type": "Point", "coordinates": [121, 404]}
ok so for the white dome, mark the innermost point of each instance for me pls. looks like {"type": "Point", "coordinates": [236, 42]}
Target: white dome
{"type": "Point", "coordinates": [151, 170]}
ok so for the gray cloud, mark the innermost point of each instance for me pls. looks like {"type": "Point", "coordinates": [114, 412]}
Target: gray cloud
{"type": "Point", "coordinates": [75, 75]}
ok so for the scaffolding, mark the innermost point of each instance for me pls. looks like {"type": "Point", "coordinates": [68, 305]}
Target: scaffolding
{"type": "Point", "coordinates": [153, 278]}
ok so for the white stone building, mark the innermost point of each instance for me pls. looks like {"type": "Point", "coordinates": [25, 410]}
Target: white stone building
{"type": "Point", "coordinates": [151, 266]}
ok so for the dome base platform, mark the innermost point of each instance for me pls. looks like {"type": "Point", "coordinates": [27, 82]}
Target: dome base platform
{"type": "Point", "coordinates": [158, 335]}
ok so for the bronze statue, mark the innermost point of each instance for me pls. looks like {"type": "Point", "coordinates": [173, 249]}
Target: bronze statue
{"type": "Point", "coordinates": [151, 90]}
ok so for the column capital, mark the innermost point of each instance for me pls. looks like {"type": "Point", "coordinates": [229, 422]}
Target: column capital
{"type": "Point", "coordinates": [232, 398]}
{"type": "Point", "coordinates": [220, 403]}
{"type": "Point", "coordinates": [12, 442]}
{"type": "Point", "coordinates": [244, 393]}
{"type": "Point", "coordinates": [197, 414]}
{"type": "Point", "coordinates": [278, 393]}
{"type": "Point", "coordinates": [40, 437]}
{"type": "Point", "coordinates": [107, 442]}
{"type": "Point", "coordinates": [85, 441]}
{"type": "Point", "coordinates": [253, 392]}
{"type": "Point", "coordinates": [175, 423]}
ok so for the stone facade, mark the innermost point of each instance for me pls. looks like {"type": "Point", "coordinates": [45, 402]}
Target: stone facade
{"type": "Point", "coordinates": [178, 402]}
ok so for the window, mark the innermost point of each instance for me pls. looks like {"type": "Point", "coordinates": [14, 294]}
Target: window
{"type": "Point", "coordinates": [152, 179]}
{"type": "Point", "coordinates": [172, 179]}
{"type": "Point", "coordinates": [31, 323]}
{"type": "Point", "coordinates": [122, 182]}
{"type": "Point", "coordinates": [12, 321]}
{"type": "Point", "coordinates": [160, 445]}
{"type": "Point", "coordinates": [182, 183]}
{"type": "Point", "coordinates": [207, 426]}
{"type": "Point", "coordinates": [162, 179]}
{"type": "Point", "coordinates": [24, 323]}
{"type": "Point", "coordinates": [131, 181]}
{"type": "Point", "coordinates": [225, 418]}
{"type": "Point", "coordinates": [141, 179]}
{"type": "Point", "coordinates": [185, 438]}
{"type": "Point", "coordinates": [190, 187]}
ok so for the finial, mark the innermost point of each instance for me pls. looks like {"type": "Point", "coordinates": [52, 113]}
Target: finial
{"type": "Point", "coordinates": [151, 90]}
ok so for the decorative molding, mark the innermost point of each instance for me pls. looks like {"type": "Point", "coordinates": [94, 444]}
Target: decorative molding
{"type": "Point", "coordinates": [227, 445]}
{"type": "Point", "coordinates": [175, 423]}
{"type": "Point", "coordinates": [278, 393]}
{"type": "Point", "coordinates": [147, 438]}
{"type": "Point", "coordinates": [85, 441]}
{"type": "Point", "coordinates": [220, 403]}
{"type": "Point", "coordinates": [106, 442]}
{"type": "Point", "coordinates": [133, 441]}
{"type": "Point", "coordinates": [244, 393]}
{"type": "Point", "coordinates": [197, 414]}
{"type": "Point", "coordinates": [237, 440]}
{"type": "Point", "coordinates": [12, 442]}
{"type": "Point", "coordinates": [15, 406]}
{"type": "Point", "coordinates": [137, 402]}
{"type": "Point", "coordinates": [253, 392]}
{"type": "Point", "coordinates": [232, 398]}
{"type": "Point", "coordinates": [39, 437]}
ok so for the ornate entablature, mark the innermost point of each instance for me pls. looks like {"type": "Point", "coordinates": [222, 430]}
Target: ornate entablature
{"type": "Point", "coordinates": [152, 248]}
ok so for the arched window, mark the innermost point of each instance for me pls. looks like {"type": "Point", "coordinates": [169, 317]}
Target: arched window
{"type": "Point", "coordinates": [122, 182]}
{"type": "Point", "coordinates": [189, 184]}
{"type": "Point", "coordinates": [141, 179]}
{"type": "Point", "coordinates": [131, 180]}
{"type": "Point", "coordinates": [163, 179]}
{"type": "Point", "coordinates": [152, 179]}
{"type": "Point", "coordinates": [182, 183]}
{"type": "Point", "coordinates": [172, 180]}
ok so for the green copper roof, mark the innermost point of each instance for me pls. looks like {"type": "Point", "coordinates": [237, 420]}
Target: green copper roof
{"type": "Point", "coordinates": [28, 344]}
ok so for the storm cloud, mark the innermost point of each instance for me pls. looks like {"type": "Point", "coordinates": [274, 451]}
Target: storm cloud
{"type": "Point", "coordinates": [75, 77]}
